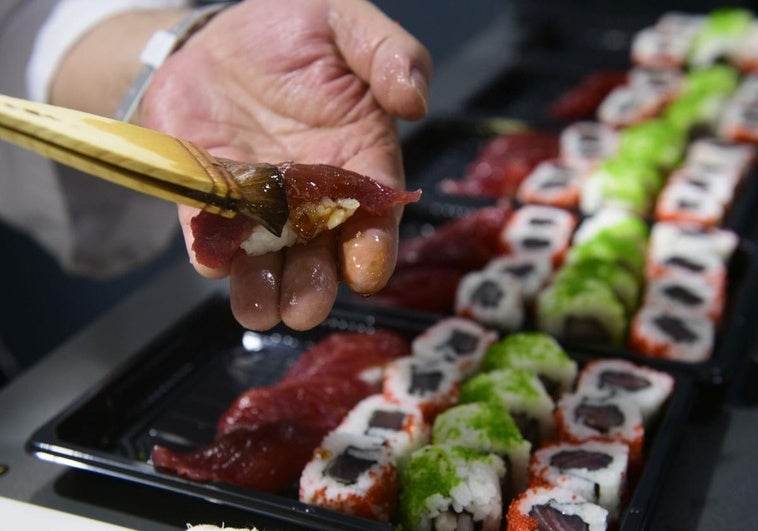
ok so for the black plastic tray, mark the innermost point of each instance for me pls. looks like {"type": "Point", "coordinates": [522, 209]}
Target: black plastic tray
{"type": "Point", "coordinates": [173, 391]}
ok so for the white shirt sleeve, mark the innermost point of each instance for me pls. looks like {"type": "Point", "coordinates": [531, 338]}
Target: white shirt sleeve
{"type": "Point", "coordinates": [69, 20]}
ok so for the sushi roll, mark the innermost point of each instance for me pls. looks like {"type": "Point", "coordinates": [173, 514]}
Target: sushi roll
{"type": "Point", "coordinates": [620, 183]}
{"type": "Point", "coordinates": [612, 221]}
{"type": "Point", "coordinates": [625, 286]}
{"type": "Point", "coordinates": [684, 24]}
{"type": "Point", "coordinates": [353, 474]}
{"type": "Point", "coordinates": [719, 183]}
{"type": "Point", "coordinates": [551, 183]}
{"type": "Point", "coordinates": [537, 353]}
{"type": "Point", "coordinates": [627, 105]}
{"type": "Point", "coordinates": [488, 428]}
{"type": "Point", "coordinates": [648, 388]}
{"type": "Point", "coordinates": [685, 294]}
{"type": "Point", "coordinates": [400, 426]}
{"type": "Point", "coordinates": [582, 310]}
{"type": "Point", "coordinates": [449, 488]}
{"type": "Point", "coordinates": [747, 54]}
{"type": "Point", "coordinates": [431, 385]}
{"type": "Point", "coordinates": [666, 83]}
{"type": "Point", "coordinates": [739, 122]}
{"type": "Point", "coordinates": [618, 249]}
{"type": "Point", "coordinates": [682, 201]}
{"type": "Point", "coordinates": [491, 298]}
{"type": "Point", "coordinates": [712, 152]}
{"type": "Point", "coordinates": [655, 142]}
{"type": "Point", "coordinates": [660, 333]}
{"type": "Point", "coordinates": [456, 340]}
{"type": "Point", "coordinates": [584, 145]}
{"type": "Point", "coordinates": [675, 239]}
{"type": "Point", "coordinates": [695, 260]}
{"type": "Point", "coordinates": [722, 33]}
{"type": "Point", "coordinates": [522, 394]}
{"type": "Point", "coordinates": [656, 48]}
{"type": "Point", "coordinates": [589, 416]}
{"type": "Point", "coordinates": [595, 470]}
{"type": "Point", "coordinates": [554, 508]}
{"type": "Point", "coordinates": [539, 230]}
{"type": "Point", "coordinates": [530, 271]}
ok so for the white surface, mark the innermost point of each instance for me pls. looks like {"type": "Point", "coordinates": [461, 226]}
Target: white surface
{"type": "Point", "coordinates": [20, 515]}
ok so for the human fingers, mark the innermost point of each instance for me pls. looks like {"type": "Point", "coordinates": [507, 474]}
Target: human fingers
{"type": "Point", "coordinates": [390, 60]}
{"type": "Point", "coordinates": [309, 283]}
{"type": "Point", "coordinates": [254, 286]}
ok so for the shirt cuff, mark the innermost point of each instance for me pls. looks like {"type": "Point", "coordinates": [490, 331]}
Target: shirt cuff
{"type": "Point", "coordinates": [69, 20]}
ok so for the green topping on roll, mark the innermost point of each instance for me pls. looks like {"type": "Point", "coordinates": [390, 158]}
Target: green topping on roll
{"type": "Point", "coordinates": [524, 350]}
{"type": "Point", "coordinates": [495, 385]}
{"type": "Point", "coordinates": [483, 426]}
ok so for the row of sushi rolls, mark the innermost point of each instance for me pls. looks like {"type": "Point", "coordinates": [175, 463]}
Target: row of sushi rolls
{"type": "Point", "coordinates": [618, 242]}
{"type": "Point", "coordinates": [488, 424]}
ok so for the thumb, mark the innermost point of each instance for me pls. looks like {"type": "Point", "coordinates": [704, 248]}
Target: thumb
{"type": "Point", "coordinates": [390, 60]}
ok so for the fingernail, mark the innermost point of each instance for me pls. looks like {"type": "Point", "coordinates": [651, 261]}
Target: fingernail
{"type": "Point", "coordinates": [420, 83]}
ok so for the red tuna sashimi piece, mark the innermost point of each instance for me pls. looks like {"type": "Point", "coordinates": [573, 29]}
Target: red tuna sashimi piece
{"type": "Point", "coordinates": [268, 458]}
{"type": "Point", "coordinates": [502, 164]}
{"type": "Point", "coordinates": [217, 239]}
{"type": "Point", "coordinates": [582, 100]}
{"type": "Point", "coordinates": [319, 403]}
{"type": "Point", "coordinates": [423, 288]}
{"type": "Point", "coordinates": [466, 243]}
{"type": "Point", "coordinates": [348, 355]}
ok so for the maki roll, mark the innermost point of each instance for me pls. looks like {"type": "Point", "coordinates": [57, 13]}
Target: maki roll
{"type": "Point", "coordinates": [661, 333]}
{"type": "Point", "coordinates": [621, 183]}
{"type": "Point", "coordinates": [431, 385]}
{"type": "Point", "coordinates": [683, 201]}
{"type": "Point", "coordinates": [456, 340]}
{"type": "Point", "coordinates": [720, 38]}
{"type": "Point", "coordinates": [627, 105]}
{"type": "Point", "coordinates": [554, 508]}
{"type": "Point", "coordinates": [582, 310]}
{"type": "Point", "coordinates": [521, 393]}
{"type": "Point", "coordinates": [492, 298]}
{"type": "Point", "coordinates": [685, 295]}
{"type": "Point", "coordinates": [647, 387]}
{"type": "Point", "coordinates": [400, 426]}
{"type": "Point", "coordinates": [539, 230]}
{"type": "Point", "coordinates": [719, 183]}
{"type": "Point", "coordinates": [624, 285]}
{"type": "Point", "coordinates": [617, 249]}
{"type": "Point", "coordinates": [694, 260]}
{"type": "Point", "coordinates": [668, 240]}
{"type": "Point", "coordinates": [595, 470]}
{"type": "Point", "coordinates": [665, 83]}
{"type": "Point", "coordinates": [537, 353]}
{"type": "Point", "coordinates": [552, 183]}
{"type": "Point", "coordinates": [353, 474]}
{"type": "Point", "coordinates": [739, 122]}
{"type": "Point", "coordinates": [487, 428]}
{"type": "Point", "coordinates": [590, 416]}
{"type": "Point", "coordinates": [449, 488]}
{"type": "Point", "coordinates": [657, 47]}
{"type": "Point", "coordinates": [654, 143]}
{"type": "Point", "coordinates": [530, 271]}
{"type": "Point", "coordinates": [717, 153]}
{"type": "Point", "coordinates": [585, 144]}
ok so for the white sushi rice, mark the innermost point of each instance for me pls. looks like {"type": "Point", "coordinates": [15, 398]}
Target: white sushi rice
{"type": "Point", "coordinates": [656, 48]}
{"type": "Point", "coordinates": [531, 272]}
{"type": "Point", "coordinates": [585, 144]}
{"type": "Point", "coordinates": [667, 238]}
{"type": "Point", "coordinates": [695, 348]}
{"type": "Point", "coordinates": [685, 294]}
{"type": "Point", "coordinates": [683, 201]}
{"type": "Point", "coordinates": [604, 486]}
{"type": "Point", "coordinates": [567, 503]}
{"type": "Point", "coordinates": [332, 213]}
{"type": "Point", "coordinates": [401, 385]}
{"type": "Point", "coordinates": [413, 433]}
{"type": "Point", "coordinates": [318, 487]}
{"type": "Point", "coordinates": [492, 298]}
{"type": "Point", "coordinates": [650, 398]}
{"type": "Point", "coordinates": [629, 431]}
{"type": "Point", "coordinates": [457, 340]}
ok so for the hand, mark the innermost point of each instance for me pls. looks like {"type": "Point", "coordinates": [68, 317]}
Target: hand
{"type": "Point", "coordinates": [313, 81]}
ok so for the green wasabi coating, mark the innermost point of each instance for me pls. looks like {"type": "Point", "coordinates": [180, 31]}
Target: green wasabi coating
{"type": "Point", "coordinates": [610, 247]}
{"type": "Point", "coordinates": [494, 385]}
{"type": "Point", "coordinates": [716, 80]}
{"type": "Point", "coordinates": [581, 298]}
{"type": "Point", "coordinates": [628, 227]}
{"type": "Point", "coordinates": [622, 282]}
{"type": "Point", "coordinates": [433, 472]}
{"type": "Point", "coordinates": [483, 426]}
{"type": "Point", "coordinates": [525, 350]}
{"type": "Point", "coordinates": [655, 142]}
{"type": "Point", "coordinates": [626, 168]}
